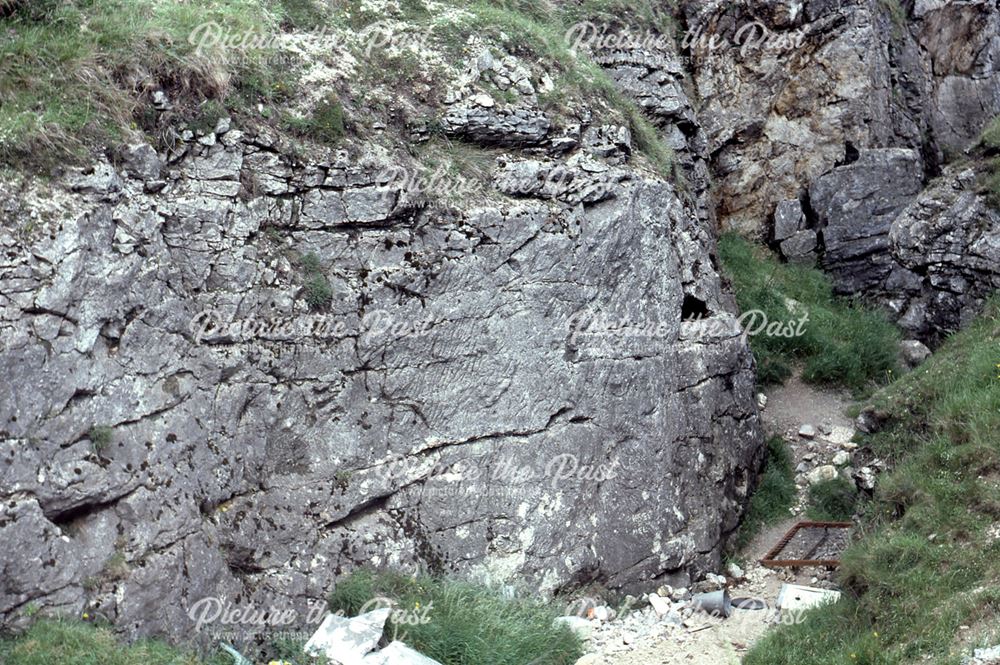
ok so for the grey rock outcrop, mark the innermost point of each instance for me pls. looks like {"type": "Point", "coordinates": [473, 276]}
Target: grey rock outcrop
{"type": "Point", "coordinates": [945, 248]}
{"type": "Point", "coordinates": [177, 423]}
{"type": "Point", "coordinates": [790, 90]}
{"type": "Point", "coordinates": [856, 205]}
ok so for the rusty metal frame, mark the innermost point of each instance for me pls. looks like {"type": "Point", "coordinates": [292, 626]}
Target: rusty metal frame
{"type": "Point", "coordinates": [770, 561]}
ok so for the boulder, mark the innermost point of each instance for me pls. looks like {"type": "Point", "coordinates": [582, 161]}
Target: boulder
{"type": "Point", "coordinates": [822, 473]}
{"type": "Point", "coordinates": [913, 352]}
{"type": "Point", "coordinates": [141, 161]}
{"type": "Point", "coordinates": [855, 206]}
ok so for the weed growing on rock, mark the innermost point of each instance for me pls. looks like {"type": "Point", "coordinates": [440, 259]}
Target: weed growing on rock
{"type": "Point", "coordinates": [101, 437]}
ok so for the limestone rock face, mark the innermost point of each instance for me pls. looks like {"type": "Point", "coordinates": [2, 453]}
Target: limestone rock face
{"type": "Point", "coordinates": [945, 248]}
{"type": "Point", "coordinates": [789, 90]}
{"type": "Point", "coordinates": [855, 206]}
{"type": "Point", "coordinates": [194, 405]}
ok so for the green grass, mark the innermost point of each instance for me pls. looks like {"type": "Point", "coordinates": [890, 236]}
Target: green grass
{"type": "Point", "coordinates": [325, 124]}
{"type": "Point", "coordinates": [925, 563]}
{"type": "Point", "coordinates": [101, 437]}
{"type": "Point", "coordinates": [316, 288]}
{"type": "Point", "coordinates": [990, 171]}
{"type": "Point", "coordinates": [843, 343]}
{"type": "Point", "coordinates": [50, 642]}
{"type": "Point", "coordinates": [832, 500]}
{"type": "Point", "coordinates": [540, 35]}
{"type": "Point", "coordinates": [990, 137]}
{"type": "Point", "coordinates": [73, 73]}
{"type": "Point", "coordinates": [466, 624]}
{"type": "Point", "coordinates": [774, 495]}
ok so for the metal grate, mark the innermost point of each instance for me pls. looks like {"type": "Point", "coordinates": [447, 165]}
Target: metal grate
{"type": "Point", "coordinates": [809, 544]}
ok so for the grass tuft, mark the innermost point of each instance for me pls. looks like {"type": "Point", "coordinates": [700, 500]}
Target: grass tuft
{"type": "Point", "coordinates": [49, 642]}
{"type": "Point", "coordinates": [465, 624]}
{"type": "Point", "coordinates": [832, 500]}
{"type": "Point", "coordinates": [843, 343]}
{"type": "Point", "coordinates": [775, 493]}
{"type": "Point", "coordinates": [101, 437]}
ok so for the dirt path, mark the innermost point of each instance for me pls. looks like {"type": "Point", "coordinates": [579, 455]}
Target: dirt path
{"type": "Point", "coordinates": [689, 637]}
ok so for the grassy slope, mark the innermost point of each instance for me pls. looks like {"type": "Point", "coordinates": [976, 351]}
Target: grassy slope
{"type": "Point", "coordinates": [73, 74]}
{"type": "Point", "coordinates": [59, 642]}
{"type": "Point", "coordinates": [927, 562]}
{"type": "Point", "coordinates": [76, 75]}
{"type": "Point", "coordinates": [844, 344]}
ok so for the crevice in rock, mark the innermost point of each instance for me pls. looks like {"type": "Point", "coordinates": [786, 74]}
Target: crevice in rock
{"type": "Point", "coordinates": [693, 309]}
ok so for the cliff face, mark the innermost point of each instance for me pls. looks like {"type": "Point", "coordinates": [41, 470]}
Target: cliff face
{"type": "Point", "coordinates": [237, 367]}
{"type": "Point", "coordinates": [235, 371]}
{"type": "Point", "coordinates": [825, 120]}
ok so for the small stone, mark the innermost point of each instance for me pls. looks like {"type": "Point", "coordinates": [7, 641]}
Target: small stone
{"type": "Point", "coordinates": [141, 161]}
{"type": "Point", "coordinates": [761, 400]}
{"type": "Point", "coordinates": [788, 219]}
{"type": "Point", "coordinates": [160, 100]}
{"type": "Point", "coordinates": [841, 458]}
{"type": "Point", "coordinates": [485, 61]}
{"type": "Point", "coordinates": [484, 100]}
{"type": "Point", "coordinates": [913, 352]}
{"type": "Point", "coordinates": [224, 125]}
{"type": "Point", "coordinates": [932, 537]}
{"type": "Point", "coordinates": [870, 421]}
{"type": "Point", "coordinates": [807, 432]}
{"type": "Point", "coordinates": [207, 139]}
{"type": "Point", "coordinates": [602, 613]}
{"type": "Point", "coordinates": [680, 593]}
{"type": "Point", "coordinates": [665, 591]}
{"type": "Point", "coordinates": [734, 571]}
{"type": "Point", "coordinates": [821, 473]}
{"type": "Point", "coordinates": [800, 246]}
{"type": "Point", "coordinates": [659, 605]}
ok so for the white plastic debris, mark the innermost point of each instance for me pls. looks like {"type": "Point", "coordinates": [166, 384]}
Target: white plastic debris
{"type": "Point", "coordinates": [796, 598]}
{"type": "Point", "coordinates": [398, 653]}
{"type": "Point", "coordinates": [348, 641]}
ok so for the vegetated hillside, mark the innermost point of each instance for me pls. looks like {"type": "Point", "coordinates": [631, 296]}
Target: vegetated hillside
{"type": "Point", "coordinates": [924, 579]}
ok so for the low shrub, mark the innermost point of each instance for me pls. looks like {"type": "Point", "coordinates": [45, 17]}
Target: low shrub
{"type": "Point", "coordinates": [832, 500]}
